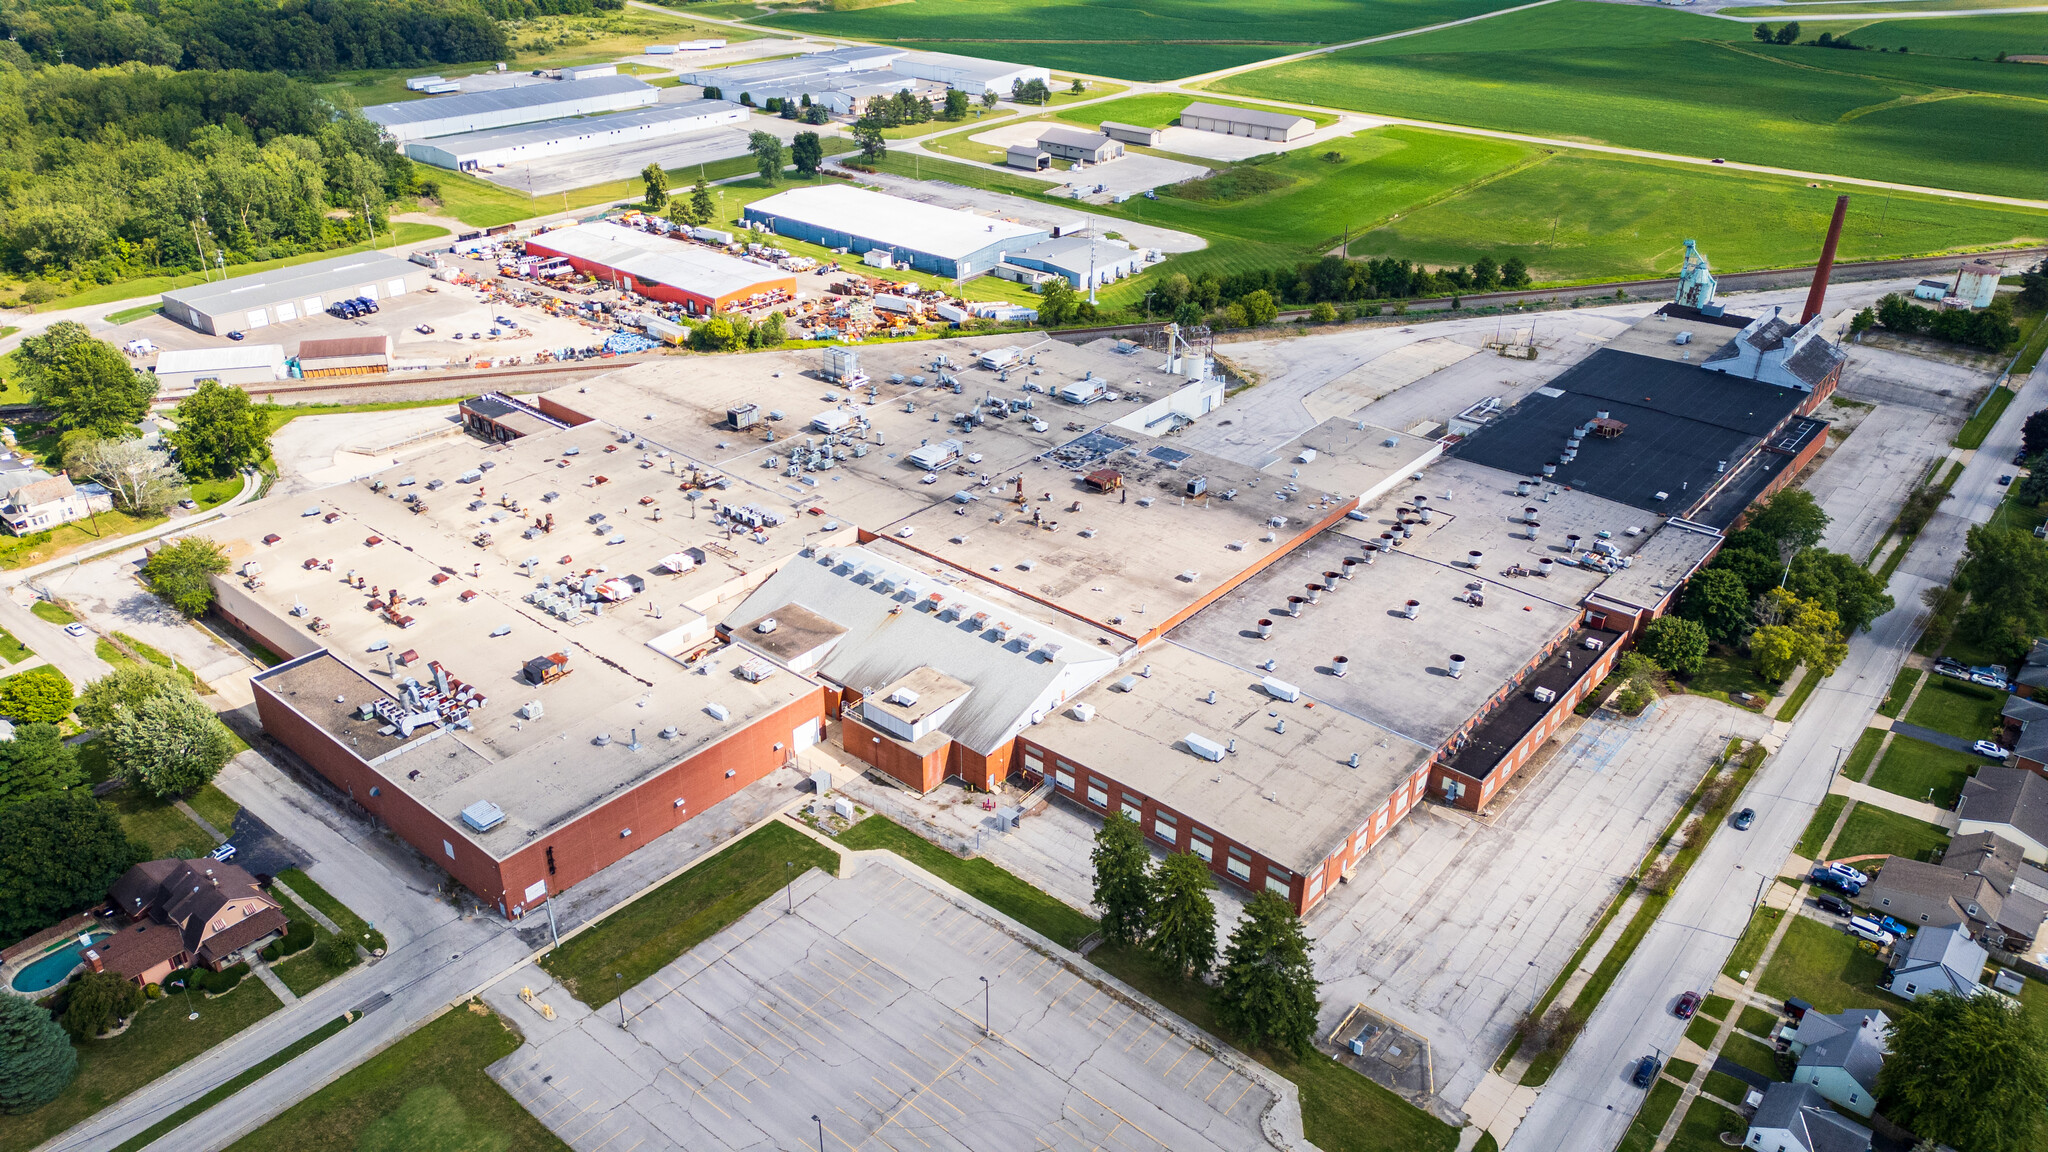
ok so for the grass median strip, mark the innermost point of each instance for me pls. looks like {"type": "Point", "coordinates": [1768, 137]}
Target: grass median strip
{"type": "Point", "coordinates": [248, 1076]}
{"type": "Point", "coordinates": [1642, 1134]}
{"type": "Point", "coordinates": [641, 938]}
{"type": "Point", "coordinates": [1800, 694]}
{"type": "Point", "coordinates": [1823, 822]}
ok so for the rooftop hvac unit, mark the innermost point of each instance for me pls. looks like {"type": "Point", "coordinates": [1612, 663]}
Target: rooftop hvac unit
{"type": "Point", "coordinates": [483, 816]}
{"type": "Point", "coordinates": [718, 712]}
{"type": "Point", "coordinates": [1127, 684]}
{"type": "Point", "coordinates": [903, 697]}
{"type": "Point", "coordinates": [1280, 690]}
{"type": "Point", "coordinates": [1544, 695]}
{"type": "Point", "coordinates": [1594, 643]}
{"type": "Point", "coordinates": [1083, 712]}
{"type": "Point", "coordinates": [1204, 747]}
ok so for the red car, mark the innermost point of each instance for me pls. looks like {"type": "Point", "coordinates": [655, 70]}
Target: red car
{"type": "Point", "coordinates": [1687, 1005]}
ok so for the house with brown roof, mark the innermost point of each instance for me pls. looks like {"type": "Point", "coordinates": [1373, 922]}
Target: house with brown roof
{"type": "Point", "coordinates": [1983, 884]}
{"type": "Point", "coordinates": [183, 914]}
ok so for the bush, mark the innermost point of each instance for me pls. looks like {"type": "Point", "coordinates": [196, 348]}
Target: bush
{"type": "Point", "coordinates": [153, 991]}
{"type": "Point", "coordinates": [37, 696]}
{"type": "Point", "coordinates": [337, 952]}
{"type": "Point", "coordinates": [214, 983]}
{"type": "Point", "coordinates": [296, 939]}
{"type": "Point", "coordinates": [98, 1002]}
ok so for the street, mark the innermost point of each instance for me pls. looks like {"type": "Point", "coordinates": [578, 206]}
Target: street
{"type": "Point", "coordinates": [1589, 1102]}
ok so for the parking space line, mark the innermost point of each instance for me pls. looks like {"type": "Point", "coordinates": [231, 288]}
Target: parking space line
{"type": "Point", "coordinates": [793, 1024]}
{"type": "Point", "coordinates": [699, 1092]}
{"type": "Point", "coordinates": [717, 1078]}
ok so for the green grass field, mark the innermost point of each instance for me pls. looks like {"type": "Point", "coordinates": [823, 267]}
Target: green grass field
{"type": "Point", "coordinates": [1921, 771]}
{"type": "Point", "coordinates": [399, 235]}
{"type": "Point", "coordinates": [1159, 109]}
{"type": "Point", "coordinates": [428, 1091]}
{"type": "Point", "coordinates": [993, 886]}
{"type": "Point", "coordinates": [1594, 72]}
{"type": "Point", "coordinates": [1156, 41]}
{"type": "Point", "coordinates": [1823, 966]}
{"type": "Point", "coordinates": [1969, 711]}
{"type": "Point", "coordinates": [1872, 829]}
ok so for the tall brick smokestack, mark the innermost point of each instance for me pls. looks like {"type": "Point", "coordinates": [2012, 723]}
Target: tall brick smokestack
{"type": "Point", "coordinates": [1817, 295]}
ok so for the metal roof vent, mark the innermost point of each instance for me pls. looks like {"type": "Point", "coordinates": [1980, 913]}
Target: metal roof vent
{"type": "Point", "coordinates": [483, 816]}
{"type": "Point", "coordinates": [603, 738]}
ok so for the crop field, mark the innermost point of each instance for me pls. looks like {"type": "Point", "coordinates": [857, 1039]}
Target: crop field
{"type": "Point", "coordinates": [1978, 37]}
{"type": "Point", "coordinates": [1155, 41]}
{"type": "Point", "coordinates": [1605, 74]}
{"type": "Point", "coordinates": [1578, 216]}
{"type": "Point", "coordinates": [1159, 109]}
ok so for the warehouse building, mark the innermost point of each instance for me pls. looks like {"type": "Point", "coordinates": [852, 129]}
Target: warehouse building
{"type": "Point", "coordinates": [504, 107]}
{"type": "Point", "coordinates": [813, 71]}
{"type": "Point", "coordinates": [246, 303]}
{"type": "Point", "coordinates": [238, 365]}
{"type": "Point", "coordinates": [1133, 133]}
{"type": "Point", "coordinates": [345, 356]}
{"type": "Point", "coordinates": [589, 71]}
{"type": "Point", "coordinates": [1079, 145]}
{"type": "Point", "coordinates": [970, 74]}
{"type": "Point", "coordinates": [701, 279]}
{"type": "Point", "coordinates": [941, 241]}
{"type": "Point", "coordinates": [498, 147]}
{"type": "Point", "coordinates": [1029, 157]}
{"type": "Point", "coordinates": [1086, 261]}
{"type": "Point", "coordinates": [1258, 125]}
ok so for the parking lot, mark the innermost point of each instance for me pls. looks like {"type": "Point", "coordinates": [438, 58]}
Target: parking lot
{"type": "Point", "coordinates": [865, 1007]}
{"type": "Point", "coordinates": [1453, 927]}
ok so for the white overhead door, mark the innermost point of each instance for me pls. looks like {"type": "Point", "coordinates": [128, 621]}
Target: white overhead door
{"type": "Point", "coordinates": [370, 290]}
{"type": "Point", "coordinates": [258, 318]}
{"type": "Point", "coordinates": [395, 288]}
{"type": "Point", "coordinates": [286, 312]}
{"type": "Point", "coordinates": [313, 306]}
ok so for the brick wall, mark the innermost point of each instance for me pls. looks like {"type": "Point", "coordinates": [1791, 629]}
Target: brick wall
{"type": "Point", "coordinates": [890, 756]}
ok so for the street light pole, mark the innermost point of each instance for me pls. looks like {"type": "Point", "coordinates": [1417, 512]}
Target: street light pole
{"type": "Point", "coordinates": [821, 1132]}
{"type": "Point", "coordinates": [789, 886]}
{"type": "Point", "coordinates": [985, 1029]}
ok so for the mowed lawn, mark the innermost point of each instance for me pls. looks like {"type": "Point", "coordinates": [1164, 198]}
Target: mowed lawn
{"type": "Point", "coordinates": [1921, 771]}
{"type": "Point", "coordinates": [1594, 72]}
{"type": "Point", "coordinates": [1824, 966]}
{"type": "Point", "coordinates": [1961, 709]}
{"type": "Point", "coordinates": [1128, 41]}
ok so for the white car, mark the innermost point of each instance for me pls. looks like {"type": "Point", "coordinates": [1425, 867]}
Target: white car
{"type": "Point", "coordinates": [1990, 748]}
{"type": "Point", "coordinates": [1848, 872]}
{"type": "Point", "coordinates": [74, 629]}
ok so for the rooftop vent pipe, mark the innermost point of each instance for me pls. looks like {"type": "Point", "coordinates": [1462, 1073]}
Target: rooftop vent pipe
{"type": "Point", "coordinates": [1340, 666]}
{"type": "Point", "coordinates": [1457, 667]}
{"type": "Point", "coordinates": [1534, 529]}
{"type": "Point", "coordinates": [1330, 580]}
{"type": "Point", "coordinates": [1265, 629]}
{"type": "Point", "coordinates": [1315, 593]}
{"type": "Point", "coordinates": [1817, 295]}
{"type": "Point", "coordinates": [1294, 604]}
{"type": "Point", "coordinates": [1411, 608]}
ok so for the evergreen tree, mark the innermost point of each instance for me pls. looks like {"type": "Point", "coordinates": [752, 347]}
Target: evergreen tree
{"type": "Point", "coordinates": [1514, 272]}
{"type": "Point", "coordinates": [36, 1058]}
{"type": "Point", "coordinates": [1183, 916]}
{"type": "Point", "coordinates": [36, 762]}
{"type": "Point", "coordinates": [702, 208]}
{"type": "Point", "coordinates": [1122, 885]}
{"type": "Point", "coordinates": [1269, 983]}
{"type": "Point", "coordinates": [172, 743]}
{"type": "Point", "coordinates": [656, 181]}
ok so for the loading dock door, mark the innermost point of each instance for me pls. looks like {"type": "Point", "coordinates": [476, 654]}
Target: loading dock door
{"type": "Point", "coordinates": [804, 735]}
{"type": "Point", "coordinates": [395, 288]}
{"type": "Point", "coordinates": [313, 306]}
{"type": "Point", "coordinates": [285, 312]}
{"type": "Point", "coordinates": [369, 290]}
{"type": "Point", "coordinates": [258, 318]}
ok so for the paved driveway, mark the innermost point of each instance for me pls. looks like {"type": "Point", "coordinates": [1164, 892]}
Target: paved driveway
{"type": "Point", "coordinates": [1454, 927]}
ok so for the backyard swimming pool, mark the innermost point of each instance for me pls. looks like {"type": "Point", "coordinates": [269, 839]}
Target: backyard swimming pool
{"type": "Point", "coordinates": [50, 971]}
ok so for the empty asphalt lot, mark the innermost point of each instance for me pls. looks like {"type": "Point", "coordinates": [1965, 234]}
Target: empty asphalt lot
{"type": "Point", "coordinates": [864, 1007]}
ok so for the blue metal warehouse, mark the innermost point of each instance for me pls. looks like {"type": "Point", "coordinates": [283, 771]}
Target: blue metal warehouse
{"type": "Point", "coordinates": [941, 241]}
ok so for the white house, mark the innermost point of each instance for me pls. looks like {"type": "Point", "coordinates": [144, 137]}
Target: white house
{"type": "Point", "coordinates": [1939, 960]}
{"type": "Point", "coordinates": [46, 501]}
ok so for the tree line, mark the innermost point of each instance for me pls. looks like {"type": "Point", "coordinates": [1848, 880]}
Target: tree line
{"type": "Point", "coordinates": [1254, 298]}
{"type": "Point", "coordinates": [135, 169]}
{"type": "Point", "coordinates": [310, 37]}
{"type": "Point", "coordinates": [1990, 328]}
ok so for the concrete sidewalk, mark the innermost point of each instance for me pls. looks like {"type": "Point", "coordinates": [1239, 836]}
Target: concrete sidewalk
{"type": "Point", "coordinates": [1892, 802]}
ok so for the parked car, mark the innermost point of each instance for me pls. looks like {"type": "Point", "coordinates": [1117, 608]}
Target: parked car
{"type": "Point", "coordinates": [1646, 1071]}
{"type": "Point", "coordinates": [234, 335]}
{"type": "Point", "coordinates": [2020, 457]}
{"type": "Point", "coordinates": [1956, 671]}
{"type": "Point", "coordinates": [1744, 819]}
{"type": "Point", "coordinates": [1850, 872]}
{"type": "Point", "coordinates": [1835, 904]}
{"type": "Point", "coordinates": [1989, 748]}
{"type": "Point", "coordinates": [74, 629]}
{"type": "Point", "coordinates": [1868, 929]}
{"type": "Point", "coordinates": [1687, 1005]}
{"type": "Point", "coordinates": [2005, 479]}
{"type": "Point", "coordinates": [1991, 680]}
{"type": "Point", "coordinates": [1836, 881]}
{"type": "Point", "coordinates": [224, 853]}
{"type": "Point", "coordinates": [1893, 926]}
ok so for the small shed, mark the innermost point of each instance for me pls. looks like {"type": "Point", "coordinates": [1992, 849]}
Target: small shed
{"type": "Point", "coordinates": [1104, 480]}
{"type": "Point", "coordinates": [1029, 157]}
{"type": "Point", "coordinates": [1133, 133]}
{"type": "Point", "coordinates": [345, 356]}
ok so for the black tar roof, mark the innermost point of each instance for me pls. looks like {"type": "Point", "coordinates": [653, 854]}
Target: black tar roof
{"type": "Point", "coordinates": [1519, 714]}
{"type": "Point", "coordinates": [1687, 312]}
{"type": "Point", "coordinates": [1683, 423]}
{"type": "Point", "coordinates": [1757, 473]}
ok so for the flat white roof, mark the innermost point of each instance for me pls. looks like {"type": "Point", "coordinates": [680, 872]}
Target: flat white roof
{"type": "Point", "coordinates": [892, 220]}
{"type": "Point", "coordinates": [571, 127]}
{"type": "Point", "coordinates": [220, 359]}
{"type": "Point", "coordinates": [1245, 115]}
{"type": "Point", "coordinates": [536, 96]}
{"type": "Point", "coordinates": [967, 67]}
{"type": "Point", "coordinates": [657, 259]}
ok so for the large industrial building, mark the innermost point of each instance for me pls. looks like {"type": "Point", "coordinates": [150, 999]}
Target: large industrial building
{"type": "Point", "coordinates": [503, 107]}
{"type": "Point", "coordinates": [552, 654]}
{"type": "Point", "coordinates": [236, 365]}
{"type": "Point", "coordinates": [497, 147]}
{"type": "Point", "coordinates": [840, 78]}
{"type": "Point", "coordinates": [246, 303]}
{"type": "Point", "coordinates": [941, 241]}
{"type": "Point", "coordinates": [700, 278]}
{"type": "Point", "coordinates": [1282, 126]}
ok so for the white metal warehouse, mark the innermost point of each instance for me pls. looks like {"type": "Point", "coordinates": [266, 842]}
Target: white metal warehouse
{"type": "Point", "coordinates": [1245, 122]}
{"type": "Point", "coordinates": [970, 74]}
{"type": "Point", "coordinates": [942, 241]}
{"type": "Point", "coordinates": [281, 294]}
{"type": "Point", "coordinates": [236, 365]}
{"type": "Point", "coordinates": [488, 149]}
{"type": "Point", "coordinates": [504, 107]}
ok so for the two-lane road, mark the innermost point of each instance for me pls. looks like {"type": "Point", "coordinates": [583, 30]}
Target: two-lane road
{"type": "Point", "coordinates": [1588, 1102]}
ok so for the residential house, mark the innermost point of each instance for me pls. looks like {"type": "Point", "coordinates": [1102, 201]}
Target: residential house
{"type": "Point", "coordinates": [183, 914]}
{"type": "Point", "coordinates": [2010, 802]}
{"type": "Point", "coordinates": [2032, 678]}
{"type": "Point", "coordinates": [2030, 748]}
{"type": "Point", "coordinates": [40, 501]}
{"type": "Point", "coordinates": [1795, 1118]}
{"type": "Point", "coordinates": [2020, 711]}
{"type": "Point", "coordinates": [1983, 883]}
{"type": "Point", "coordinates": [1840, 1055]}
{"type": "Point", "coordinates": [1938, 960]}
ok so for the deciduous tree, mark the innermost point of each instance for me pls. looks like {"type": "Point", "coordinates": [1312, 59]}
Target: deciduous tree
{"type": "Point", "coordinates": [956, 104]}
{"type": "Point", "coordinates": [36, 762]}
{"type": "Point", "coordinates": [58, 854]}
{"type": "Point", "coordinates": [1792, 518]}
{"type": "Point", "coordinates": [139, 478]}
{"type": "Point", "coordinates": [1268, 993]}
{"type": "Point", "coordinates": [1123, 882]}
{"type": "Point", "coordinates": [1676, 644]}
{"type": "Point", "coordinates": [37, 1060]}
{"type": "Point", "coordinates": [806, 151]}
{"type": "Point", "coordinates": [127, 684]}
{"type": "Point", "coordinates": [170, 742]}
{"type": "Point", "coordinates": [181, 573]}
{"type": "Point", "coordinates": [97, 1002]}
{"type": "Point", "coordinates": [1838, 583]}
{"type": "Point", "coordinates": [867, 132]}
{"type": "Point", "coordinates": [37, 696]}
{"type": "Point", "coordinates": [656, 182]}
{"type": "Point", "coordinates": [2034, 434]}
{"type": "Point", "coordinates": [1719, 601]}
{"type": "Point", "coordinates": [1967, 1071]}
{"type": "Point", "coordinates": [1183, 916]}
{"type": "Point", "coordinates": [89, 384]}
{"type": "Point", "coordinates": [2005, 572]}
{"type": "Point", "coordinates": [767, 150]}
{"type": "Point", "coordinates": [219, 432]}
